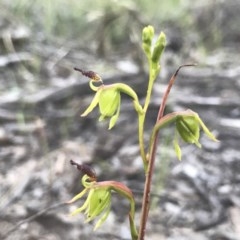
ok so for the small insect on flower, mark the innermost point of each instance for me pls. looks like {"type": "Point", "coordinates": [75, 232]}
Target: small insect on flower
{"type": "Point", "coordinates": [85, 169]}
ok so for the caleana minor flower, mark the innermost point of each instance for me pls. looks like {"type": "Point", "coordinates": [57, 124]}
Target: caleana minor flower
{"type": "Point", "coordinates": [108, 98]}
{"type": "Point", "coordinates": [187, 127]}
{"type": "Point", "coordinates": [97, 204]}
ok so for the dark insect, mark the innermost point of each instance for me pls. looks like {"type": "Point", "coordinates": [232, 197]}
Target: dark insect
{"type": "Point", "coordinates": [85, 169]}
{"type": "Point", "coordinates": [89, 74]}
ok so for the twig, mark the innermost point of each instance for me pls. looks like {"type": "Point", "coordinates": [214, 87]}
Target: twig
{"type": "Point", "coordinates": [31, 218]}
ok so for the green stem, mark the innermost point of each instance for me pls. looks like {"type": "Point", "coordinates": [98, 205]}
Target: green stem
{"type": "Point", "coordinates": [149, 89]}
{"type": "Point", "coordinates": [133, 229]}
{"type": "Point", "coordinates": [141, 117]}
{"type": "Point", "coordinates": [170, 118]}
{"type": "Point", "coordinates": [126, 192]}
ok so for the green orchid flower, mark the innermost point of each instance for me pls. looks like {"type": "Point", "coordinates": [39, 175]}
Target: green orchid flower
{"type": "Point", "coordinates": [188, 127]}
{"type": "Point", "coordinates": [97, 204]}
{"type": "Point", "coordinates": [98, 201]}
{"type": "Point", "coordinates": [108, 98]}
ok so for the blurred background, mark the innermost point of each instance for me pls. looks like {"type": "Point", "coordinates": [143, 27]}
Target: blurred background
{"type": "Point", "coordinates": [41, 99]}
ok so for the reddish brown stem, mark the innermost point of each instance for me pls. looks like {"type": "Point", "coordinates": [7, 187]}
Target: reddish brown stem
{"type": "Point", "coordinates": [170, 84]}
{"type": "Point", "coordinates": [152, 155]}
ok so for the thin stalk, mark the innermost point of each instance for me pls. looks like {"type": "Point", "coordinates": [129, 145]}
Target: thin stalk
{"type": "Point", "coordinates": [170, 84]}
{"type": "Point", "coordinates": [141, 120]}
{"type": "Point", "coordinates": [141, 117]}
{"type": "Point", "coordinates": [152, 156]}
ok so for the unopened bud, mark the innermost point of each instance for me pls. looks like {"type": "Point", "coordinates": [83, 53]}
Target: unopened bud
{"type": "Point", "coordinates": [147, 35]}
{"type": "Point", "coordinates": [158, 48]}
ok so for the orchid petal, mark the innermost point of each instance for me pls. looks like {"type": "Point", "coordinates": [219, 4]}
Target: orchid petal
{"type": "Point", "coordinates": [79, 195]}
{"type": "Point", "coordinates": [114, 118]}
{"type": "Point", "coordinates": [206, 130]}
{"type": "Point", "coordinates": [93, 104]}
{"type": "Point", "coordinates": [177, 148]}
{"type": "Point", "coordinates": [103, 218]}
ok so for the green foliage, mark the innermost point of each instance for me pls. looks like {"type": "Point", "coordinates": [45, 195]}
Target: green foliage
{"type": "Point", "coordinates": [166, 10]}
{"type": "Point", "coordinates": [108, 19]}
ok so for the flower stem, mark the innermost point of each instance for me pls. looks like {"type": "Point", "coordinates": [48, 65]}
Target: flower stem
{"type": "Point", "coordinates": [169, 87]}
{"type": "Point", "coordinates": [141, 117]}
{"type": "Point", "coordinates": [152, 156]}
{"type": "Point", "coordinates": [141, 120]}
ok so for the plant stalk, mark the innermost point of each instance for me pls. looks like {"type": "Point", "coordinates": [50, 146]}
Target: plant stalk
{"type": "Point", "coordinates": [152, 156]}
{"type": "Point", "coordinates": [141, 118]}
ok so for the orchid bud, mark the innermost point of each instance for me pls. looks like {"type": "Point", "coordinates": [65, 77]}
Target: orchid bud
{"type": "Point", "coordinates": [147, 35]}
{"type": "Point", "coordinates": [158, 48]}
